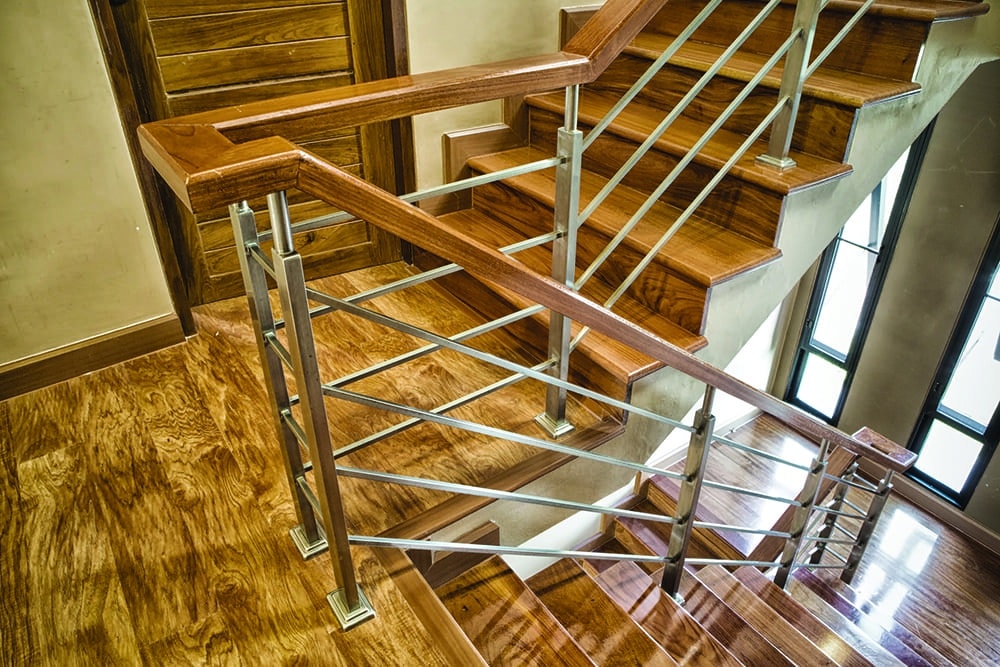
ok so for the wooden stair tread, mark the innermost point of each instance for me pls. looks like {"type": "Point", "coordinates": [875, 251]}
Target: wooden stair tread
{"type": "Point", "coordinates": [706, 253]}
{"type": "Point", "coordinates": [638, 121]}
{"type": "Point", "coordinates": [745, 470]}
{"type": "Point", "coordinates": [506, 622]}
{"type": "Point", "coordinates": [928, 11]}
{"type": "Point", "coordinates": [852, 89]}
{"type": "Point", "coordinates": [805, 587]}
{"type": "Point", "coordinates": [789, 608]}
{"type": "Point", "coordinates": [896, 638]}
{"type": "Point", "coordinates": [606, 632]}
{"type": "Point", "coordinates": [765, 620]}
{"type": "Point", "coordinates": [665, 621]}
{"type": "Point", "coordinates": [624, 360]}
{"type": "Point", "coordinates": [727, 626]}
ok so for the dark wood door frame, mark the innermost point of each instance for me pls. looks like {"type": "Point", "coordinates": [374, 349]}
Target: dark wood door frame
{"type": "Point", "coordinates": [378, 39]}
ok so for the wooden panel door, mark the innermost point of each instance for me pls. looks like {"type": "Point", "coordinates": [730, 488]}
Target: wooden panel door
{"type": "Point", "coordinates": [187, 56]}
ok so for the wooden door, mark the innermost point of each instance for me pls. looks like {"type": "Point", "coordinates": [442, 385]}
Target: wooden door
{"type": "Point", "coordinates": [186, 56]}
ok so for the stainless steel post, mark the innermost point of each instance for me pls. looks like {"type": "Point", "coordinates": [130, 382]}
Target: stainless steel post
{"type": "Point", "coordinates": [348, 601]}
{"type": "Point", "coordinates": [687, 503]}
{"type": "Point", "coordinates": [830, 522]}
{"type": "Point", "coordinates": [792, 79]}
{"type": "Point", "coordinates": [307, 535]}
{"type": "Point", "coordinates": [867, 528]}
{"type": "Point", "coordinates": [567, 211]}
{"type": "Point", "coordinates": [800, 519]}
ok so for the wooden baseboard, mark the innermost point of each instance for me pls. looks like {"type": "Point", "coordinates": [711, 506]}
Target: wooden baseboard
{"type": "Point", "coordinates": [67, 362]}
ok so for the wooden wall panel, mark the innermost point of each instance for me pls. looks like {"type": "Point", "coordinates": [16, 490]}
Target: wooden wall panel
{"type": "Point", "coordinates": [187, 34]}
{"type": "Point", "coordinates": [236, 66]}
{"type": "Point", "coordinates": [198, 55]}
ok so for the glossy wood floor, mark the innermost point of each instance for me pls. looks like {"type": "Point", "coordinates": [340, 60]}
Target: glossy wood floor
{"type": "Point", "coordinates": [144, 519]}
{"type": "Point", "coordinates": [144, 511]}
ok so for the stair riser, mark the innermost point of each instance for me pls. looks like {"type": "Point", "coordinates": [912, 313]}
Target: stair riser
{"type": "Point", "coordinates": [734, 204]}
{"type": "Point", "coordinates": [879, 45]}
{"type": "Point", "coordinates": [672, 83]}
{"type": "Point", "coordinates": [659, 288]}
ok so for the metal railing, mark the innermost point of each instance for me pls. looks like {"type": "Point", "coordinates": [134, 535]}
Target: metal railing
{"type": "Point", "coordinates": [310, 454]}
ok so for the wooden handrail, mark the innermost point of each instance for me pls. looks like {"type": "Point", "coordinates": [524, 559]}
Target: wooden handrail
{"type": "Point", "coordinates": [215, 158]}
{"type": "Point", "coordinates": [339, 188]}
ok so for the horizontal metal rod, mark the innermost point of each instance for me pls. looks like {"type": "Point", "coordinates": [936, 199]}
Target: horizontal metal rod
{"type": "Point", "coordinates": [271, 340]}
{"type": "Point", "coordinates": [830, 510]}
{"type": "Point", "coordinates": [750, 492]}
{"type": "Point", "coordinates": [482, 492]}
{"type": "Point", "coordinates": [740, 529]}
{"type": "Point", "coordinates": [761, 453]}
{"type": "Point", "coordinates": [258, 255]}
{"type": "Point", "coordinates": [862, 485]}
{"type": "Point", "coordinates": [310, 496]}
{"type": "Point", "coordinates": [845, 531]}
{"type": "Point", "coordinates": [401, 359]}
{"type": "Point", "coordinates": [463, 547]}
{"type": "Point", "coordinates": [826, 540]}
{"type": "Point", "coordinates": [687, 213]}
{"type": "Point", "coordinates": [437, 191]}
{"type": "Point", "coordinates": [735, 563]}
{"type": "Point", "coordinates": [485, 357]}
{"type": "Point", "coordinates": [820, 566]}
{"type": "Point", "coordinates": [489, 431]}
{"type": "Point", "coordinates": [856, 508]}
{"type": "Point", "coordinates": [395, 429]}
{"type": "Point", "coordinates": [650, 72]}
{"type": "Point", "coordinates": [837, 39]}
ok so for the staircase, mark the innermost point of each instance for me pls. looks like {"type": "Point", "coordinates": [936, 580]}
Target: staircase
{"type": "Point", "coordinates": [750, 230]}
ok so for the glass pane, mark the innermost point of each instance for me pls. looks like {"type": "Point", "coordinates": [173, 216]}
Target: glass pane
{"type": "Point", "coordinates": [948, 455]}
{"type": "Point", "coordinates": [974, 388]}
{"type": "Point", "coordinates": [821, 384]}
{"type": "Point", "coordinates": [858, 227]}
{"type": "Point", "coordinates": [891, 185]}
{"type": "Point", "coordinates": [843, 298]}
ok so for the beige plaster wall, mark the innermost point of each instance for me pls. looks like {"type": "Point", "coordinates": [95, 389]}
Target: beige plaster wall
{"type": "Point", "coordinates": [77, 256]}
{"type": "Point", "coordinates": [453, 33]}
{"type": "Point", "coordinates": [954, 207]}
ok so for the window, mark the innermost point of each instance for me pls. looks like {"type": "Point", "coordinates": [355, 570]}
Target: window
{"type": "Point", "coordinates": [959, 426]}
{"type": "Point", "coordinates": [850, 276]}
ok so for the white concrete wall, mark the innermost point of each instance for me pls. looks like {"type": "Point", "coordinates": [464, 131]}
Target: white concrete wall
{"type": "Point", "coordinates": [77, 255]}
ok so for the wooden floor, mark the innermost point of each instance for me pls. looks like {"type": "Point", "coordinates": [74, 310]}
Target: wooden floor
{"type": "Point", "coordinates": [144, 518]}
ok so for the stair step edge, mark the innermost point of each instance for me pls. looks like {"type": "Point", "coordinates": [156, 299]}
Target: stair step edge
{"type": "Point", "coordinates": [826, 84]}
{"type": "Point", "coordinates": [636, 123]}
{"type": "Point", "coordinates": [692, 253]}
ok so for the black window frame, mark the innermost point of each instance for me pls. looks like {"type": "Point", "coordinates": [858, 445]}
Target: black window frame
{"type": "Point", "coordinates": [849, 362]}
{"type": "Point", "coordinates": [933, 410]}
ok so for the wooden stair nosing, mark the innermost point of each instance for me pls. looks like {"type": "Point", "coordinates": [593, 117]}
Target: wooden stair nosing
{"type": "Point", "coordinates": [658, 288]}
{"type": "Point", "coordinates": [916, 10]}
{"type": "Point", "coordinates": [605, 631]}
{"type": "Point", "coordinates": [842, 87]}
{"type": "Point", "coordinates": [506, 622]}
{"type": "Point", "coordinates": [726, 625]}
{"type": "Point", "coordinates": [804, 579]}
{"type": "Point", "coordinates": [739, 206]}
{"type": "Point", "coordinates": [487, 229]}
{"type": "Point", "coordinates": [637, 122]}
{"type": "Point", "coordinates": [772, 626]}
{"type": "Point", "coordinates": [693, 241]}
{"type": "Point", "coordinates": [666, 622]}
{"type": "Point", "coordinates": [912, 641]}
{"type": "Point", "coordinates": [805, 621]}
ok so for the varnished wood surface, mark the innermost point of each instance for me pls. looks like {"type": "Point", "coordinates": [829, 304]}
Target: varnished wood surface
{"type": "Point", "coordinates": [805, 622]}
{"type": "Point", "coordinates": [932, 580]}
{"type": "Point", "coordinates": [638, 121]}
{"type": "Point", "coordinates": [593, 619]}
{"type": "Point", "coordinates": [665, 621]}
{"type": "Point", "coordinates": [506, 621]}
{"type": "Point", "coordinates": [735, 633]}
{"type": "Point", "coordinates": [768, 623]}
